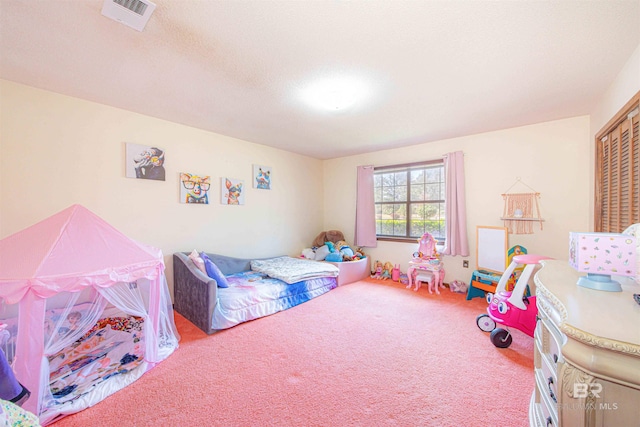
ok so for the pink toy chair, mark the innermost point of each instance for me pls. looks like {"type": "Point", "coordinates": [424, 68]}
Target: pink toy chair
{"type": "Point", "coordinates": [427, 277]}
{"type": "Point", "coordinates": [420, 277]}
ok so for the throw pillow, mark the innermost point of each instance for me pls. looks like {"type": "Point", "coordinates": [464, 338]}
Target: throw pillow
{"type": "Point", "coordinates": [195, 257]}
{"type": "Point", "coordinates": [213, 271]}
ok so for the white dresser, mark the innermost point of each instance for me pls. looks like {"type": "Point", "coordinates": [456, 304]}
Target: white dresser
{"type": "Point", "coordinates": [587, 352]}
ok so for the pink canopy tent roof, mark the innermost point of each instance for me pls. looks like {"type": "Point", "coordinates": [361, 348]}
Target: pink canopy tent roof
{"type": "Point", "coordinates": [68, 251]}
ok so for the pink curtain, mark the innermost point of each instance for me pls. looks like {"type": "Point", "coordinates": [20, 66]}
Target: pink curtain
{"type": "Point", "coordinates": [455, 205]}
{"type": "Point", "coordinates": [365, 234]}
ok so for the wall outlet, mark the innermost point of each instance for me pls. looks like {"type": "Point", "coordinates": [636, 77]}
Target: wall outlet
{"type": "Point", "coordinates": [465, 264]}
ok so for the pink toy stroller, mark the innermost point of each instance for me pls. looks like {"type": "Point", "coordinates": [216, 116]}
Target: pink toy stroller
{"type": "Point", "coordinates": [513, 308]}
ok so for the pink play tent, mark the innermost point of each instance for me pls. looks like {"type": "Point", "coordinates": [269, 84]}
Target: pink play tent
{"type": "Point", "coordinates": [87, 310]}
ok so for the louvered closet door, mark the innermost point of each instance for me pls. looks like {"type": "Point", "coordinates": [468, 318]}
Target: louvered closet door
{"type": "Point", "coordinates": [618, 173]}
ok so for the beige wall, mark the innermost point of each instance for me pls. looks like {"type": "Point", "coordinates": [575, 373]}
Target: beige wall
{"type": "Point", "coordinates": [553, 158]}
{"type": "Point", "coordinates": [621, 90]}
{"type": "Point", "coordinates": [57, 151]}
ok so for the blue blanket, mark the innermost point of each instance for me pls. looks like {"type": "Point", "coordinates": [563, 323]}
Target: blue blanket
{"type": "Point", "coordinates": [251, 295]}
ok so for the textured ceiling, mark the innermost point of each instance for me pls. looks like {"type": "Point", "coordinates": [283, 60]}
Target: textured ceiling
{"type": "Point", "coordinates": [435, 69]}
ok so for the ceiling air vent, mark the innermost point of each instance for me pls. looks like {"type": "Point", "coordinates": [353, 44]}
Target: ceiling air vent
{"type": "Point", "coordinates": [132, 13]}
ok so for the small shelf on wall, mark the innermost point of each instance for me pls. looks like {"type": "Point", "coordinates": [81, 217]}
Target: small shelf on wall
{"type": "Point", "coordinates": [515, 218]}
{"type": "Point", "coordinates": [520, 225]}
{"type": "Point", "coordinates": [521, 209]}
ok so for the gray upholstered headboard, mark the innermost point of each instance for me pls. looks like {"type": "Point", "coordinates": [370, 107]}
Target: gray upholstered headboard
{"type": "Point", "coordinates": [229, 265]}
{"type": "Point", "coordinates": [195, 293]}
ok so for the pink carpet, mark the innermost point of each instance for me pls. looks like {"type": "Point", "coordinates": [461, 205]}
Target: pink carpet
{"type": "Point", "coordinates": [370, 353]}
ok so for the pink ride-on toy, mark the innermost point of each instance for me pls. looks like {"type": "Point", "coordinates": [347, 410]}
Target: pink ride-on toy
{"type": "Point", "coordinates": [511, 309]}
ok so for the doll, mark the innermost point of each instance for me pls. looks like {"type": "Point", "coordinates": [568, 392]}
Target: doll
{"type": "Point", "coordinates": [377, 271]}
{"type": "Point", "coordinates": [386, 270]}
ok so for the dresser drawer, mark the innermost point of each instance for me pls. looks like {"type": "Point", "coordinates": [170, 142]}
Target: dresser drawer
{"type": "Point", "coordinates": [551, 341]}
{"type": "Point", "coordinates": [555, 341]}
{"type": "Point", "coordinates": [535, 415]}
{"type": "Point", "coordinates": [547, 417]}
{"type": "Point", "coordinates": [537, 335]}
{"type": "Point", "coordinates": [549, 377]}
{"type": "Point", "coordinates": [548, 408]}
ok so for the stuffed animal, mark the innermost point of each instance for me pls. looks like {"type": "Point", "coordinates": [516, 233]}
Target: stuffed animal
{"type": "Point", "coordinates": [308, 253]}
{"type": "Point", "coordinates": [322, 252]}
{"type": "Point", "coordinates": [334, 254]}
{"type": "Point", "coordinates": [345, 250]}
{"type": "Point", "coordinates": [332, 236]}
{"type": "Point", "coordinates": [333, 247]}
{"type": "Point", "coordinates": [358, 254]}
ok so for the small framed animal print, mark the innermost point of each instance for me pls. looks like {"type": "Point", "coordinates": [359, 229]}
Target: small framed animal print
{"type": "Point", "coordinates": [232, 191]}
{"type": "Point", "coordinates": [144, 162]}
{"type": "Point", "coordinates": [262, 177]}
{"type": "Point", "coordinates": [194, 188]}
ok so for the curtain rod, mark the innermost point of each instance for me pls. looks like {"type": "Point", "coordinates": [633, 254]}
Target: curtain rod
{"type": "Point", "coordinates": [409, 165]}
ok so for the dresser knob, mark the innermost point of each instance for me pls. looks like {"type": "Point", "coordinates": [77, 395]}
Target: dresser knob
{"type": "Point", "coordinates": [549, 422]}
{"type": "Point", "coordinates": [555, 358]}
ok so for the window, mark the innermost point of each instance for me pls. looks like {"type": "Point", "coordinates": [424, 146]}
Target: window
{"type": "Point", "coordinates": [617, 193]}
{"type": "Point", "coordinates": [409, 201]}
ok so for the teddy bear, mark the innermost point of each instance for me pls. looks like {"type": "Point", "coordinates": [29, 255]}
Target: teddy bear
{"type": "Point", "coordinates": [332, 236]}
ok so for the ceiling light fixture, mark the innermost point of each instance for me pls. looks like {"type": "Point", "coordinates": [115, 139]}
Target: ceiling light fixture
{"type": "Point", "coordinates": [335, 94]}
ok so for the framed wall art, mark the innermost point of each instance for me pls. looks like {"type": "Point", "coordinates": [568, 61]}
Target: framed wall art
{"type": "Point", "coordinates": [144, 162]}
{"type": "Point", "coordinates": [194, 188]}
{"type": "Point", "coordinates": [232, 191]}
{"type": "Point", "coordinates": [262, 177]}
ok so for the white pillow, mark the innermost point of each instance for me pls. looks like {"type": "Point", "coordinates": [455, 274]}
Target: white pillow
{"type": "Point", "coordinates": [199, 262]}
{"type": "Point", "coordinates": [322, 252]}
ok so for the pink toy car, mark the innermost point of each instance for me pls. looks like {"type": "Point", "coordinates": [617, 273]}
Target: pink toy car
{"type": "Point", "coordinates": [513, 308]}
